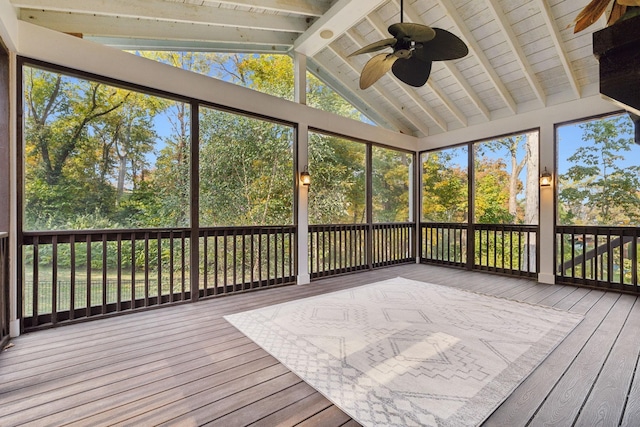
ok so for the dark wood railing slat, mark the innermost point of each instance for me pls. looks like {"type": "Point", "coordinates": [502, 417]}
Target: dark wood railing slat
{"type": "Point", "coordinates": [238, 265]}
{"type": "Point", "coordinates": [500, 248]}
{"type": "Point", "coordinates": [600, 257]}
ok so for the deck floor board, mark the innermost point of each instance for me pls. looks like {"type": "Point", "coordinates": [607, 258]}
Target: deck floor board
{"type": "Point", "coordinates": [185, 365]}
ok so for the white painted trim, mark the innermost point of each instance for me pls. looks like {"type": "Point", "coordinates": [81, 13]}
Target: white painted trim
{"type": "Point", "coordinates": [342, 15]}
{"type": "Point", "coordinates": [57, 48]}
{"type": "Point", "coordinates": [8, 25]}
{"type": "Point", "coordinates": [14, 325]}
{"type": "Point", "coordinates": [303, 279]}
{"type": "Point", "coordinates": [303, 206]}
{"type": "Point", "coordinates": [548, 279]}
{"type": "Point", "coordinates": [300, 78]}
{"type": "Point", "coordinates": [573, 110]}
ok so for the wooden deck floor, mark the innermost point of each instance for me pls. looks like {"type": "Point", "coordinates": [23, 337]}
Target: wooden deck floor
{"type": "Point", "coordinates": [185, 365]}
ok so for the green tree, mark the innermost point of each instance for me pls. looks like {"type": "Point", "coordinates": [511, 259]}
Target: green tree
{"type": "Point", "coordinates": [246, 170]}
{"type": "Point", "coordinates": [598, 188]}
{"type": "Point", "coordinates": [445, 184]}
{"type": "Point", "coordinates": [337, 194]}
{"type": "Point", "coordinates": [390, 175]}
{"type": "Point", "coordinates": [61, 152]}
{"type": "Point", "coordinates": [492, 192]}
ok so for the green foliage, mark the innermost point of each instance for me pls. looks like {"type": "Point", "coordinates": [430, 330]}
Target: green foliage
{"type": "Point", "coordinates": [492, 193]}
{"type": "Point", "coordinates": [246, 170]}
{"type": "Point", "coordinates": [390, 175]}
{"type": "Point", "coordinates": [337, 194]}
{"type": "Point", "coordinates": [444, 187]}
{"type": "Point", "coordinates": [598, 188]}
{"type": "Point", "coordinates": [98, 156]}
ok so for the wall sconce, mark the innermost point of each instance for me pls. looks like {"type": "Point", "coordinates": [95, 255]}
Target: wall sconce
{"type": "Point", "coordinates": [546, 179]}
{"type": "Point", "coordinates": [305, 177]}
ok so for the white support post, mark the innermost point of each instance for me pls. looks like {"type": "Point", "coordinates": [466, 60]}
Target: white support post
{"type": "Point", "coordinates": [14, 320]}
{"type": "Point", "coordinates": [546, 238]}
{"type": "Point", "coordinates": [303, 207]}
{"type": "Point", "coordinates": [300, 96]}
{"type": "Point", "coordinates": [300, 78]}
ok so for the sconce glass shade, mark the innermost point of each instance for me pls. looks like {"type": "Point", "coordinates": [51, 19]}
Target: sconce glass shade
{"type": "Point", "coordinates": [546, 179]}
{"type": "Point", "coordinates": [305, 177]}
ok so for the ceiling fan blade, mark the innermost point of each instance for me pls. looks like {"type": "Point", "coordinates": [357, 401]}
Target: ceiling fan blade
{"type": "Point", "coordinates": [379, 45]}
{"type": "Point", "coordinates": [416, 32]}
{"type": "Point", "coordinates": [444, 47]}
{"type": "Point", "coordinates": [376, 68]}
{"type": "Point", "coordinates": [413, 71]}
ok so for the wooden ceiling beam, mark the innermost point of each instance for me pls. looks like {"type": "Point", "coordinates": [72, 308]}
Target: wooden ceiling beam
{"type": "Point", "coordinates": [344, 14]}
{"type": "Point", "coordinates": [314, 8]}
{"type": "Point", "coordinates": [562, 55]}
{"type": "Point", "coordinates": [107, 26]}
{"type": "Point", "coordinates": [475, 50]}
{"type": "Point", "coordinates": [170, 11]}
{"type": "Point", "coordinates": [521, 57]}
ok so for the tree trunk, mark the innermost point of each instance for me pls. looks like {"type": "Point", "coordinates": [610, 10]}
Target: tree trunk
{"type": "Point", "coordinates": [531, 190]}
{"type": "Point", "coordinates": [532, 196]}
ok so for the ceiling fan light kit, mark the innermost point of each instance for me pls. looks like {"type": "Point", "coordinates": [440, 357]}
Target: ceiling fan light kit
{"type": "Point", "coordinates": [415, 47]}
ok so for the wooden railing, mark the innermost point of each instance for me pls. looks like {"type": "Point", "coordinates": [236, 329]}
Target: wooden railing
{"type": "Point", "coordinates": [506, 249]}
{"type": "Point", "coordinates": [601, 257]}
{"type": "Point", "coordinates": [337, 249]}
{"type": "Point", "coordinates": [4, 290]}
{"type": "Point", "coordinates": [242, 258]}
{"type": "Point", "coordinates": [393, 243]}
{"type": "Point", "coordinates": [71, 275]}
{"type": "Point", "coordinates": [500, 248]}
{"type": "Point", "coordinates": [443, 243]}
{"type": "Point", "coordinates": [344, 248]}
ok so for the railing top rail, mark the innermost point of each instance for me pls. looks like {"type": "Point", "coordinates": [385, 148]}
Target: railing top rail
{"type": "Point", "coordinates": [487, 224]}
{"type": "Point", "coordinates": [464, 225]}
{"type": "Point", "coordinates": [108, 231]}
{"type": "Point", "coordinates": [3, 234]}
{"type": "Point", "coordinates": [138, 231]}
{"type": "Point", "coordinates": [443, 224]}
{"type": "Point", "coordinates": [361, 225]}
{"type": "Point", "coordinates": [398, 224]}
{"type": "Point", "coordinates": [598, 229]}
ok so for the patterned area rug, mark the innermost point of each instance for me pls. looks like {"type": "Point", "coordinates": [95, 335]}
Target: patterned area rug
{"type": "Point", "coordinates": [407, 353]}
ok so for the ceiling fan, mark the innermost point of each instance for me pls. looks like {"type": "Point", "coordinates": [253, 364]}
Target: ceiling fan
{"type": "Point", "coordinates": [415, 47]}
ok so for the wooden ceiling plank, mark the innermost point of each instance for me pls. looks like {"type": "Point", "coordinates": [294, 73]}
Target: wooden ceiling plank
{"type": "Point", "coordinates": [516, 48]}
{"type": "Point", "coordinates": [171, 11]}
{"type": "Point", "coordinates": [545, 10]}
{"type": "Point", "coordinates": [315, 8]}
{"type": "Point", "coordinates": [474, 48]}
{"type": "Point", "coordinates": [146, 29]}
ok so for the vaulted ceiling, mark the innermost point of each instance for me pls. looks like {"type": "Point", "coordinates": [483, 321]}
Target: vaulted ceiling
{"type": "Point", "coordinates": [523, 54]}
